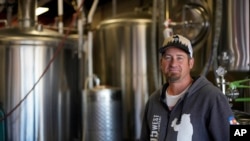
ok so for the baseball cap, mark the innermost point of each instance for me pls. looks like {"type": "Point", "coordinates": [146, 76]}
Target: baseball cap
{"type": "Point", "coordinates": [177, 41]}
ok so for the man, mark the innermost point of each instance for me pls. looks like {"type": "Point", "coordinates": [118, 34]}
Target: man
{"type": "Point", "coordinates": [186, 108]}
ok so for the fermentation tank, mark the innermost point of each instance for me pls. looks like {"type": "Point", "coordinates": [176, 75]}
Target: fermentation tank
{"type": "Point", "coordinates": [40, 93]}
{"type": "Point", "coordinates": [103, 109]}
{"type": "Point", "coordinates": [235, 45]}
{"type": "Point", "coordinates": [50, 105]}
{"type": "Point", "coordinates": [124, 57]}
{"type": "Point", "coordinates": [234, 50]}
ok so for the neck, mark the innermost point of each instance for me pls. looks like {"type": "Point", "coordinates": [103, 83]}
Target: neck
{"type": "Point", "coordinates": [178, 87]}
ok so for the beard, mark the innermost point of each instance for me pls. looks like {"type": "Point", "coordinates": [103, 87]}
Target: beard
{"type": "Point", "coordinates": [173, 77]}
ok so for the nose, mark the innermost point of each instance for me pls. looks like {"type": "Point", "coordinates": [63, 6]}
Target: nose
{"type": "Point", "coordinates": [173, 62]}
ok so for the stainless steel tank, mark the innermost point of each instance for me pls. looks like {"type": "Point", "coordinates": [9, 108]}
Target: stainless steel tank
{"type": "Point", "coordinates": [235, 45]}
{"type": "Point", "coordinates": [234, 49]}
{"type": "Point", "coordinates": [50, 106]}
{"type": "Point", "coordinates": [124, 58]}
{"type": "Point", "coordinates": [103, 117]}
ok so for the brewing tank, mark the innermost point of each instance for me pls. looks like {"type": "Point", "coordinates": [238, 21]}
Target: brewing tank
{"type": "Point", "coordinates": [39, 80]}
{"type": "Point", "coordinates": [234, 51]}
{"type": "Point", "coordinates": [103, 109]}
{"type": "Point", "coordinates": [235, 45]}
{"type": "Point", "coordinates": [124, 57]}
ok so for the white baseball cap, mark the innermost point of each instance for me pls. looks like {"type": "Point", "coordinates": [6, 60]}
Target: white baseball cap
{"type": "Point", "coordinates": [177, 41]}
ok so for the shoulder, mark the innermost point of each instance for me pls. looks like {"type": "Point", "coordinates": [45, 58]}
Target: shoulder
{"type": "Point", "coordinates": [155, 99]}
{"type": "Point", "coordinates": [201, 83]}
{"type": "Point", "coordinates": [156, 95]}
{"type": "Point", "coordinates": [204, 88]}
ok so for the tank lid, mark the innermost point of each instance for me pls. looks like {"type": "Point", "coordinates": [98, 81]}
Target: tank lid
{"type": "Point", "coordinates": [16, 31]}
{"type": "Point", "coordinates": [129, 17]}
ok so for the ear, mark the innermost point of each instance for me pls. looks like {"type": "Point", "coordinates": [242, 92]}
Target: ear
{"type": "Point", "coordinates": [191, 63]}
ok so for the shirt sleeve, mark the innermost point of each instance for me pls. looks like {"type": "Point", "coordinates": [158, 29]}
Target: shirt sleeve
{"type": "Point", "coordinates": [219, 124]}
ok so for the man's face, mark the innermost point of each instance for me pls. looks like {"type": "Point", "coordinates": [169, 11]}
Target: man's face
{"type": "Point", "coordinates": [176, 64]}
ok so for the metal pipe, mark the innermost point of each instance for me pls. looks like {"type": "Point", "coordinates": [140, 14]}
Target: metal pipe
{"type": "Point", "coordinates": [154, 43]}
{"type": "Point", "coordinates": [90, 42]}
{"type": "Point", "coordinates": [93, 77]}
{"type": "Point", "coordinates": [92, 10]}
{"type": "Point", "coordinates": [167, 9]}
{"type": "Point", "coordinates": [216, 36]}
{"type": "Point", "coordinates": [60, 16]}
{"type": "Point", "coordinates": [162, 16]}
{"type": "Point", "coordinates": [26, 13]}
{"type": "Point", "coordinates": [10, 12]}
{"type": "Point", "coordinates": [80, 26]}
{"type": "Point", "coordinates": [114, 7]}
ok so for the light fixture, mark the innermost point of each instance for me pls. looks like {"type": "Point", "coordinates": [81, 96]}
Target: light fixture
{"type": "Point", "coordinates": [41, 10]}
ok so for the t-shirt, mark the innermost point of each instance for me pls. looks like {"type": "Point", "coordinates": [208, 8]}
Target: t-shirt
{"type": "Point", "coordinates": [172, 99]}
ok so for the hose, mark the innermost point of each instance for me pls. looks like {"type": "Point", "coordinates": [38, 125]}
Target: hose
{"type": "Point", "coordinates": [216, 36]}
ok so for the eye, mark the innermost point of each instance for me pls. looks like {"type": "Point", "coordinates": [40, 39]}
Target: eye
{"type": "Point", "coordinates": [167, 57]}
{"type": "Point", "coordinates": [180, 58]}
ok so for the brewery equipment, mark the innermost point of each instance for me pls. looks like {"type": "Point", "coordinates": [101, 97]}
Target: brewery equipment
{"type": "Point", "coordinates": [40, 92]}
{"type": "Point", "coordinates": [127, 59]}
{"type": "Point", "coordinates": [103, 105]}
{"type": "Point", "coordinates": [48, 111]}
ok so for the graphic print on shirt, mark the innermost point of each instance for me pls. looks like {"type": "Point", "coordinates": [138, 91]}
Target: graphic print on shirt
{"type": "Point", "coordinates": [156, 122]}
{"type": "Point", "coordinates": [184, 129]}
